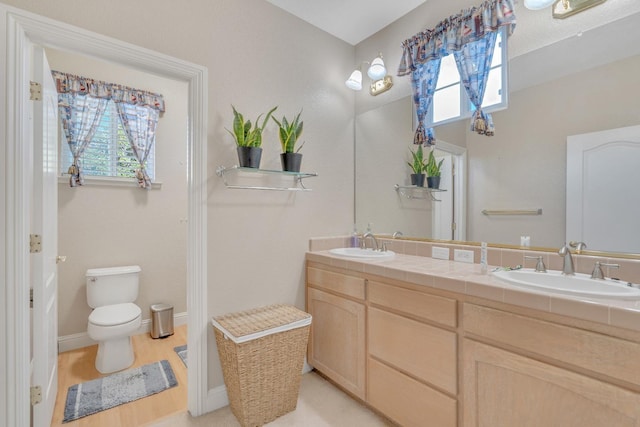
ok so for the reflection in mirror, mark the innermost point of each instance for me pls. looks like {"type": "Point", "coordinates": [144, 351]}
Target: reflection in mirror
{"type": "Point", "coordinates": [524, 165]}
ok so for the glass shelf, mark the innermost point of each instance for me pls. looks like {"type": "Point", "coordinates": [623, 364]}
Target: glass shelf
{"type": "Point", "coordinates": [226, 172]}
{"type": "Point", "coordinates": [415, 192]}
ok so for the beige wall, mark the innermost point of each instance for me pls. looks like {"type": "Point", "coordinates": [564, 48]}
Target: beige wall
{"type": "Point", "coordinates": [257, 56]}
{"type": "Point", "coordinates": [105, 226]}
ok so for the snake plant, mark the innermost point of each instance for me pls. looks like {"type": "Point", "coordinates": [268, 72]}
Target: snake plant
{"type": "Point", "coordinates": [246, 134]}
{"type": "Point", "coordinates": [289, 133]}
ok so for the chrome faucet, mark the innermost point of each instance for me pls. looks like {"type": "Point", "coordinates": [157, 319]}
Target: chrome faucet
{"type": "Point", "coordinates": [364, 240]}
{"type": "Point", "coordinates": [567, 267]}
{"type": "Point", "coordinates": [578, 246]}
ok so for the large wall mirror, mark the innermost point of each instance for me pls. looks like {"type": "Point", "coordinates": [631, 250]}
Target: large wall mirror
{"type": "Point", "coordinates": [583, 84]}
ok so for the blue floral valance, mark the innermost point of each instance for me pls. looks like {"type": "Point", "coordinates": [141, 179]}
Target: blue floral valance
{"type": "Point", "coordinates": [69, 83]}
{"type": "Point", "coordinates": [456, 31]}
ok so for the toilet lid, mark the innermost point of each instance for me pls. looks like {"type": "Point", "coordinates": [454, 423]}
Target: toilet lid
{"type": "Point", "coordinates": [117, 314]}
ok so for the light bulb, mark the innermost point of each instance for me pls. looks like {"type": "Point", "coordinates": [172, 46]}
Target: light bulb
{"type": "Point", "coordinates": [355, 80]}
{"type": "Point", "coordinates": [377, 70]}
{"type": "Point", "coordinates": [537, 4]}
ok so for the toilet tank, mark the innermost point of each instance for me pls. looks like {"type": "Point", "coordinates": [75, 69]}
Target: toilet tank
{"type": "Point", "coordinates": [113, 285]}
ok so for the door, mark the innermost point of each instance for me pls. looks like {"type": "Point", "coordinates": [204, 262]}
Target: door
{"type": "Point", "coordinates": [337, 344]}
{"type": "Point", "coordinates": [443, 208]}
{"type": "Point", "coordinates": [44, 222]}
{"type": "Point", "coordinates": [602, 184]}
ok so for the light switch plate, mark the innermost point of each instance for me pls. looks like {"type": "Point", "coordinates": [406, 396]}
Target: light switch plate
{"type": "Point", "coordinates": [463, 255]}
{"type": "Point", "coordinates": [440, 253]}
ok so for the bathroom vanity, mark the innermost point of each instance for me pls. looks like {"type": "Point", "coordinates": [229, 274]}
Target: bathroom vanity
{"type": "Point", "coordinates": [429, 342]}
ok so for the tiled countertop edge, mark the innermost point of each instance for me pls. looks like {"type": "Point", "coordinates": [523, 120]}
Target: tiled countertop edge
{"type": "Point", "coordinates": [468, 279]}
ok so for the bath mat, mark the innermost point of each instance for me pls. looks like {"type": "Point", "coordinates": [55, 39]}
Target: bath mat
{"type": "Point", "coordinates": [182, 352]}
{"type": "Point", "coordinates": [113, 390]}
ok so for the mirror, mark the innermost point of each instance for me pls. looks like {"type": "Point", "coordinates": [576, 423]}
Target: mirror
{"type": "Point", "coordinates": [586, 83]}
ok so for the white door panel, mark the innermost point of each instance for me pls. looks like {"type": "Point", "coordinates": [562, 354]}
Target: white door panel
{"type": "Point", "coordinates": [603, 206]}
{"type": "Point", "coordinates": [44, 278]}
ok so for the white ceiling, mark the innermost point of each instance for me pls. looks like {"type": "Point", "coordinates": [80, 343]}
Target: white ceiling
{"type": "Point", "coordinates": [355, 20]}
{"type": "Point", "coordinates": [349, 20]}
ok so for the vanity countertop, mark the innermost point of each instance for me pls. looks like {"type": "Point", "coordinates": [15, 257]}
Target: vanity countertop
{"type": "Point", "coordinates": [468, 279]}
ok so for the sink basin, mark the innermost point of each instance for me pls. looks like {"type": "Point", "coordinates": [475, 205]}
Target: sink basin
{"type": "Point", "coordinates": [362, 253]}
{"type": "Point", "coordinates": [577, 285]}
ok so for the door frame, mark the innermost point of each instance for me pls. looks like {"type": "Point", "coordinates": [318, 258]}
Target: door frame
{"type": "Point", "coordinates": [17, 28]}
{"type": "Point", "coordinates": [459, 164]}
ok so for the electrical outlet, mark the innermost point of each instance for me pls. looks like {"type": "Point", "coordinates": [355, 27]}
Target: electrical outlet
{"type": "Point", "coordinates": [463, 256]}
{"type": "Point", "coordinates": [440, 253]}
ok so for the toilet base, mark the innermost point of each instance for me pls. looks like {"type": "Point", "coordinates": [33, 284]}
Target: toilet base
{"type": "Point", "coordinates": [114, 355]}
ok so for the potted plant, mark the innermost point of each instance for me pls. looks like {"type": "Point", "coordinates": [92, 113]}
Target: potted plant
{"type": "Point", "coordinates": [433, 171]}
{"type": "Point", "coordinates": [248, 138]}
{"type": "Point", "coordinates": [289, 133]}
{"type": "Point", "coordinates": [418, 166]}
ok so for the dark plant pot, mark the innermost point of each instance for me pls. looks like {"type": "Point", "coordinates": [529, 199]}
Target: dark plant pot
{"type": "Point", "coordinates": [417, 179]}
{"type": "Point", "coordinates": [433, 182]}
{"type": "Point", "coordinates": [291, 161]}
{"type": "Point", "coordinates": [249, 157]}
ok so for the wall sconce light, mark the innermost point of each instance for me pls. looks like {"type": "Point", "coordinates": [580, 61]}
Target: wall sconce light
{"type": "Point", "coordinates": [377, 72]}
{"type": "Point", "coordinates": [562, 8]}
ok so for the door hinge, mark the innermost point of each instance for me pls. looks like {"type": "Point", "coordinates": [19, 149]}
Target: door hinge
{"type": "Point", "coordinates": [31, 298]}
{"type": "Point", "coordinates": [453, 226]}
{"type": "Point", "coordinates": [35, 89]}
{"type": "Point", "coordinates": [36, 395]}
{"type": "Point", "coordinates": [35, 243]}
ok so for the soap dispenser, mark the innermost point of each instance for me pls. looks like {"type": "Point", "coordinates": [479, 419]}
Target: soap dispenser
{"type": "Point", "coordinates": [354, 242]}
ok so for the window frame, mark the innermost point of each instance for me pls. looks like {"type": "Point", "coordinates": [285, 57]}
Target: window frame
{"type": "Point", "coordinates": [466, 110]}
{"type": "Point", "coordinates": [65, 157]}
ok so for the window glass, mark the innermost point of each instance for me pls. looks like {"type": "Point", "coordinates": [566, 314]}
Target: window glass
{"type": "Point", "coordinates": [448, 72]}
{"type": "Point", "coordinates": [446, 103]}
{"type": "Point", "coordinates": [109, 153]}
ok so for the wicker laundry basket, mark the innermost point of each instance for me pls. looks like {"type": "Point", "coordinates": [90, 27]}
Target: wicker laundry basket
{"type": "Point", "coordinates": [261, 353]}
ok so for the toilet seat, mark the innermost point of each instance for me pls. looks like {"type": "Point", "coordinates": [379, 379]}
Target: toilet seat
{"type": "Point", "coordinates": [114, 315]}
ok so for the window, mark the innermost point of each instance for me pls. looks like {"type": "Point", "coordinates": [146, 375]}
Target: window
{"type": "Point", "coordinates": [450, 101]}
{"type": "Point", "coordinates": [109, 154]}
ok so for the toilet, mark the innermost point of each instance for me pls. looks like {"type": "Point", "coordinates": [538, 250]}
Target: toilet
{"type": "Point", "coordinates": [111, 293]}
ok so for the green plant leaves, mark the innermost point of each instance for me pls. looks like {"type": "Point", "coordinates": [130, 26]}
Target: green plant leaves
{"type": "Point", "coordinates": [289, 133]}
{"type": "Point", "coordinates": [244, 133]}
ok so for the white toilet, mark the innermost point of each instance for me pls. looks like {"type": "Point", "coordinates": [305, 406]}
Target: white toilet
{"type": "Point", "coordinates": [111, 293]}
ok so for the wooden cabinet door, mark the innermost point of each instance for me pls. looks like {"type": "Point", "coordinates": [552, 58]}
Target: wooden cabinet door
{"type": "Point", "coordinates": [503, 389]}
{"type": "Point", "coordinates": [337, 343]}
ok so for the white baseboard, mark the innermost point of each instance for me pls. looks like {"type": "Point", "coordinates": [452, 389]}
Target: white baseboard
{"type": "Point", "coordinates": [80, 340]}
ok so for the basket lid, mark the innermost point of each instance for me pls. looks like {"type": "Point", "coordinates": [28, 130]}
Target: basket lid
{"type": "Point", "coordinates": [260, 322]}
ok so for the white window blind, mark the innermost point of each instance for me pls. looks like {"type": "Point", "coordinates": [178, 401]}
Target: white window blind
{"type": "Point", "coordinates": [109, 154]}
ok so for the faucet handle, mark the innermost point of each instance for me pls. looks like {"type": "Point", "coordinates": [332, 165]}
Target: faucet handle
{"type": "Point", "coordinates": [540, 267]}
{"type": "Point", "coordinates": [597, 269]}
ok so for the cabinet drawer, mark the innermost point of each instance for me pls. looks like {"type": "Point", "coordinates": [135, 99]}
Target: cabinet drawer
{"type": "Point", "coordinates": [599, 353]}
{"type": "Point", "coordinates": [431, 307]}
{"type": "Point", "coordinates": [336, 282]}
{"type": "Point", "coordinates": [407, 401]}
{"type": "Point", "coordinates": [426, 352]}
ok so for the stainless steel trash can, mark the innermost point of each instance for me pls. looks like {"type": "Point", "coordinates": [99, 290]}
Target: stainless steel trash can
{"type": "Point", "coordinates": [161, 320]}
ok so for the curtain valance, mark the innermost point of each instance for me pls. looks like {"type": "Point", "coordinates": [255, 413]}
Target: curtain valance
{"type": "Point", "coordinates": [456, 31]}
{"type": "Point", "coordinates": [69, 83]}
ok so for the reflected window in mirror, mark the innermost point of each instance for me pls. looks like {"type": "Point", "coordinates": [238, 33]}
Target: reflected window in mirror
{"type": "Point", "coordinates": [450, 100]}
